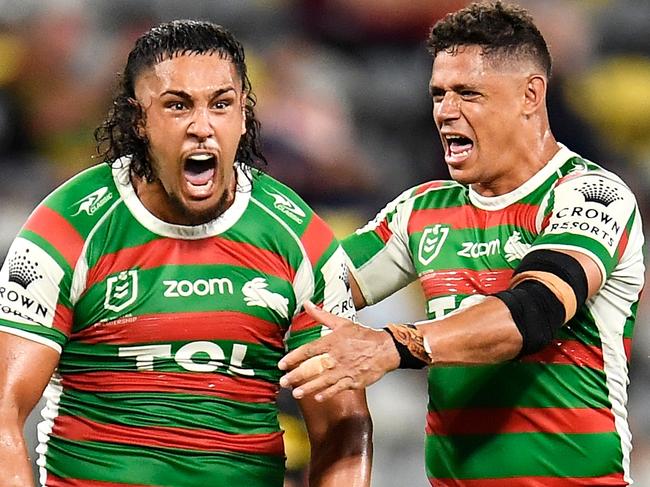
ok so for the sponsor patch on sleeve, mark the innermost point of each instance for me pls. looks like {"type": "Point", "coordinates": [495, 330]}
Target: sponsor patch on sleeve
{"type": "Point", "coordinates": [29, 285]}
{"type": "Point", "coordinates": [593, 206]}
{"type": "Point", "coordinates": [338, 296]}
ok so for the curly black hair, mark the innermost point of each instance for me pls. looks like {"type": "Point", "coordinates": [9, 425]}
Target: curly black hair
{"type": "Point", "coordinates": [501, 31]}
{"type": "Point", "coordinates": [117, 136]}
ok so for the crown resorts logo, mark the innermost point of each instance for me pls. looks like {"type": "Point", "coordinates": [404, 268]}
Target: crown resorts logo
{"type": "Point", "coordinates": [22, 270]}
{"type": "Point", "coordinates": [598, 192]}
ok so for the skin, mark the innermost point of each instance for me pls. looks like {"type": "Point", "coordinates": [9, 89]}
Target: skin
{"type": "Point", "coordinates": [473, 97]}
{"type": "Point", "coordinates": [192, 104]}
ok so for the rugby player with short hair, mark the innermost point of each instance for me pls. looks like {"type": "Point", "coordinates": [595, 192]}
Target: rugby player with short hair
{"type": "Point", "coordinates": [154, 295]}
{"type": "Point", "coordinates": [531, 263]}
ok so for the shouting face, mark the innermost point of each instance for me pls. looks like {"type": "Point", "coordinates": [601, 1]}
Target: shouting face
{"type": "Point", "coordinates": [193, 120]}
{"type": "Point", "coordinates": [486, 113]}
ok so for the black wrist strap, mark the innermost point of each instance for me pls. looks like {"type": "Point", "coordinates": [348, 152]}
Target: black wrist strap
{"type": "Point", "coordinates": [406, 359]}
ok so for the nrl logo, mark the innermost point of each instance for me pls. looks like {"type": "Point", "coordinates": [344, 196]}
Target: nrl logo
{"type": "Point", "coordinates": [288, 207]}
{"type": "Point", "coordinates": [121, 290]}
{"type": "Point", "coordinates": [94, 201]}
{"type": "Point", "coordinates": [431, 242]}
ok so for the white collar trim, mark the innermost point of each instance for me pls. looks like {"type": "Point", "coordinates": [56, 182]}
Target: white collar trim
{"type": "Point", "coordinates": [121, 176]}
{"type": "Point", "coordinates": [504, 200]}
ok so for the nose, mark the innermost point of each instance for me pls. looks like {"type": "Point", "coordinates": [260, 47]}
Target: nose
{"type": "Point", "coordinates": [448, 108]}
{"type": "Point", "coordinates": [200, 124]}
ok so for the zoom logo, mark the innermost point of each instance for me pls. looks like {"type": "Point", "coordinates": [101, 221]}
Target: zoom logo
{"type": "Point", "coordinates": [200, 287]}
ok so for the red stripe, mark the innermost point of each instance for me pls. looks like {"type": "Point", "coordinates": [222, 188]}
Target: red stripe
{"type": "Point", "coordinates": [82, 429]}
{"type": "Point", "coordinates": [622, 243]}
{"type": "Point", "coordinates": [428, 185]}
{"type": "Point", "coordinates": [383, 231]}
{"type": "Point", "coordinates": [316, 239]}
{"type": "Point", "coordinates": [627, 345]}
{"type": "Point", "coordinates": [54, 481]}
{"type": "Point", "coordinates": [225, 325]}
{"type": "Point", "coordinates": [488, 421]}
{"type": "Point", "coordinates": [302, 321]}
{"type": "Point", "coordinates": [468, 216]}
{"type": "Point", "coordinates": [58, 232]}
{"type": "Point", "coordinates": [568, 352]}
{"type": "Point", "coordinates": [63, 319]}
{"type": "Point", "coordinates": [464, 281]}
{"type": "Point", "coordinates": [612, 480]}
{"type": "Point", "coordinates": [210, 384]}
{"type": "Point", "coordinates": [210, 251]}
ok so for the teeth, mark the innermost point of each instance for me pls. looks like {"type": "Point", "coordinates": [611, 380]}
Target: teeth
{"type": "Point", "coordinates": [200, 157]}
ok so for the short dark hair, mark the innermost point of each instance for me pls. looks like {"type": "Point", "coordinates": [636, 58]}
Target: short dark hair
{"type": "Point", "coordinates": [118, 136]}
{"type": "Point", "coordinates": [501, 31]}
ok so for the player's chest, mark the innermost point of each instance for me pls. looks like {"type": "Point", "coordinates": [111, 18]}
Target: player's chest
{"type": "Point", "coordinates": [187, 282]}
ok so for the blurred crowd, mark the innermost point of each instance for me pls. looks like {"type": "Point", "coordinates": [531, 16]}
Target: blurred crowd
{"type": "Point", "coordinates": [346, 121]}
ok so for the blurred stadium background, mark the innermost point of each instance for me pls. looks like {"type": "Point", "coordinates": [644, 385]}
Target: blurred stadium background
{"type": "Point", "coordinates": [342, 89]}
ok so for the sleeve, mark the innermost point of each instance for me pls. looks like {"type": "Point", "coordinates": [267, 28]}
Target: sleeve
{"type": "Point", "coordinates": [35, 281]}
{"type": "Point", "coordinates": [323, 279]}
{"type": "Point", "coordinates": [591, 213]}
{"type": "Point", "coordinates": [379, 254]}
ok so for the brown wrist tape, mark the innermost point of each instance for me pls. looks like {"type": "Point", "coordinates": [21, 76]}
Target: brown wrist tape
{"type": "Point", "coordinates": [410, 346]}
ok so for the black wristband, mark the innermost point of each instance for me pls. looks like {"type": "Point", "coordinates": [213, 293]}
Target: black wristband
{"type": "Point", "coordinates": [406, 359]}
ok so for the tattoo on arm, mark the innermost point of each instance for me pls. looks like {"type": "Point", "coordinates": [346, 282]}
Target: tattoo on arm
{"type": "Point", "coordinates": [410, 345]}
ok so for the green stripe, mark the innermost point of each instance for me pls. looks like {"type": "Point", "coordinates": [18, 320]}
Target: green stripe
{"type": "Point", "coordinates": [83, 357]}
{"type": "Point", "coordinates": [40, 330]}
{"type": "Point", "coordinates": [579, 242]}
{"type": "Point", "coordinates": [517, 384]}
{"type": "Point", "coordinates": [452, 196]}
{"type": "Point", "coordinates": [362, 247]}
{"type": "Point", "coordinates": [302, 337]}
{"type": "Point", "coordinates": [222, 293]}
{"type": "Point", "coordinates": [172, 410]}
{"type": "Point", "coordinates": [628, 329]}
{"type": "Point", "coordinates": [161, 467]}
{"type": "Point", "coordinates": [517, 455]}
{"type": "Point", "coordinates": [319, 289]}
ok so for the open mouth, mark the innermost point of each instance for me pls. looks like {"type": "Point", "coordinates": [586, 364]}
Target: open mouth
{"type": "Point", "coordinates": [458, 147]}
{"type": "Point", "coordinates": [199, 172]}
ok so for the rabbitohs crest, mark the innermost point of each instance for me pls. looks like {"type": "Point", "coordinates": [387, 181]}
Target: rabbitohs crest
{"type": "Point", "coordinates": [431, 241]}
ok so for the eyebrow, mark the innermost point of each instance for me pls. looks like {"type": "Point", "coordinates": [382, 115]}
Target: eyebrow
{"type": "Point", "coordinates": [186, 96]}
{"type": "Point", "coordinates": [457, 88]}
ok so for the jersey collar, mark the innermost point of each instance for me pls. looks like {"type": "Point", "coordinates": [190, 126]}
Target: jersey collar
{"type": "Point", "coordinates": [502, 201]}
{"type": "Point", "coordinates": [122, 179]}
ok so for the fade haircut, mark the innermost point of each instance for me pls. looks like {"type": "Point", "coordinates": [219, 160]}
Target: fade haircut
{"type": "Point", "coordinates": [118, 136]}
{"type": "Point", "coordinates": [503, 32]}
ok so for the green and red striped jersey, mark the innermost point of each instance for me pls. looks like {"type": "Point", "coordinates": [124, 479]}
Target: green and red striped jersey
{"type": "Point", "coordinates": [555, 418]}
{"type": "Point", "coordinates": [169, 335]}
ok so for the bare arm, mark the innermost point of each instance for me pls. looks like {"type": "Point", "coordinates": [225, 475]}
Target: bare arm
{"type": "Point", "coordinates": [353, 357]}
{"type": "Point", "coordinates": [357, 296]}
{"type": "Point", "coordinates": [340, 433]}
{"type": "Point", "coordinates": [25, 368]}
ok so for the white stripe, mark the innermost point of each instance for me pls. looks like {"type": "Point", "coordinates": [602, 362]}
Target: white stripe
{"type": "Point", "coordinates": [31, 336]}
{"type": "Point", "coordinates": [50, 412]}
{"type": "Point", "coordinates": [78, 285]}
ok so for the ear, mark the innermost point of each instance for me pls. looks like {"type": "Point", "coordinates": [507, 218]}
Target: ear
{"type": "Point", "coordinates": [534, 94]}
{"type": "Point", "coordinates": [244, 95]}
